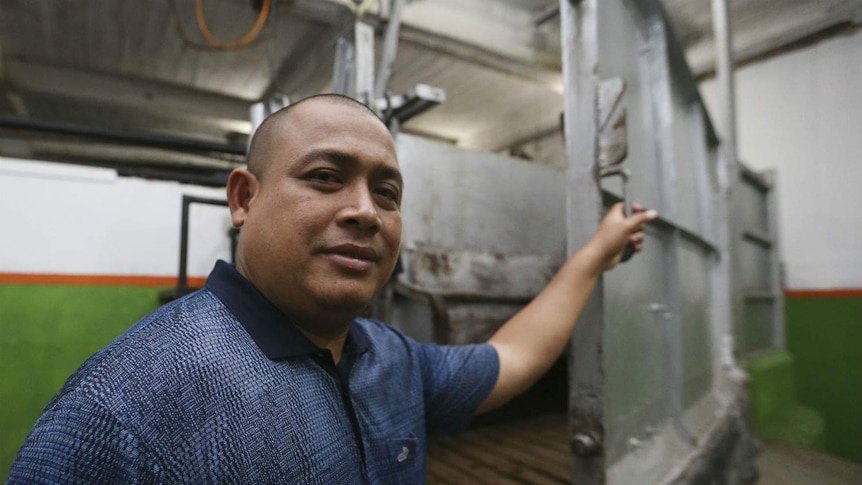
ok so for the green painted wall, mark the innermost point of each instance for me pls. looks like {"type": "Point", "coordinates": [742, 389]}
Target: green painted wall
{"type": "Point", "coordinates": [46, 332]}
{"type": "Point", "coordinates": [825, 337]}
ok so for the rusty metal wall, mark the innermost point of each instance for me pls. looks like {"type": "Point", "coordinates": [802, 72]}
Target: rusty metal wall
{"type": "Point", "coordinates": [482, 234]}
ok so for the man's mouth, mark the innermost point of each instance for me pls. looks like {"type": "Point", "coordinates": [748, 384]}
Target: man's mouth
{"type": "Point", "coordinates": [355, 251]}
{"type": "Point", "coordinates": [352, 257]}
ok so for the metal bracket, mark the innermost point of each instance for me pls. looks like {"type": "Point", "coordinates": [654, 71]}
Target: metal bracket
{"type": "Point", "coordinates": [613, 139]}
{"type": "Point", "coordinates": [400, 108]}
{"type": "Point", "coordinates": [610, 94]}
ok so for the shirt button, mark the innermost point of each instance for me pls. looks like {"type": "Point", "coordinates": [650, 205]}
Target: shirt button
{"type": "Point", "coordinates": [405, 452]}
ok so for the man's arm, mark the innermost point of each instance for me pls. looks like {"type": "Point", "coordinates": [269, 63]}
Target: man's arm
{"type": "Point", "coordinates": [532, 340]}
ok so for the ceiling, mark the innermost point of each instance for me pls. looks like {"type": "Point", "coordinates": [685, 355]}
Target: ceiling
{"type": "Point", "coordinates": [144, 67]}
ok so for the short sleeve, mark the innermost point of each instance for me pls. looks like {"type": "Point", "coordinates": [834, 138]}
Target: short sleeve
{"type": "Point", "coordinates": [456, 380]}
{"type": "Point", "coordinates": [80, 442]}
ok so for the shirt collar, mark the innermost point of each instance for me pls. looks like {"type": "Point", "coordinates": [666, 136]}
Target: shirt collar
{"type": "Point", "coordinates": [273, 333]}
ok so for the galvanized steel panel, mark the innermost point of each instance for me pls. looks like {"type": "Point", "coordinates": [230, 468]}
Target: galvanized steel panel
{"type": "Point", "coordinates": [753, 207]}
{"type": "Point", "coordinates": [755, 266]}
{"type": "Point", "coordinates": [695, 265]}
{"type": "Point", "coordinates": [754, 331]}
{"type": "Point", "coordinates": [636, 380]}
{"type": "Point", "coordinates": [620, 45]}
{"type": "Point", "coordinates": [469, 201]}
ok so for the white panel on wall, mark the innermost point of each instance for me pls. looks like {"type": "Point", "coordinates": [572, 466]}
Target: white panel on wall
{"type": "Point", "coordinates": [801, 113]}
{"type": "Point", "coordinates": [64, 219]}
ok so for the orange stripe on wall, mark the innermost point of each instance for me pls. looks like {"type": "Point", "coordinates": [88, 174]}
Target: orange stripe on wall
{"type": "Point", "coordinates": [827, 293]}
{"type": "Point", "coordinates": [95, 280]}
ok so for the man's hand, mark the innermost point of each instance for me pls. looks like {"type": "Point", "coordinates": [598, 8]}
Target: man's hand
{"type": "Point", "coordinates": [616, 231]}
{"type": "Point", "coordinates": [532, 340]}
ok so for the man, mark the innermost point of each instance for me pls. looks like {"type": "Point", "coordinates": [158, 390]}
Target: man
{"type": "Point", "coordinates": [267, 375]}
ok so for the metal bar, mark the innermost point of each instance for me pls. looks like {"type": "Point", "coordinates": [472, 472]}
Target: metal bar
{"type": "Point", "coordinates": [183, 280]}
{"type": "Point", "coordinates": [724, 68]}
{"type": "Point", "coordinates": [390, 48]}
{"type": "Point", "coordinates": [546, 15]}
{"type": "Point", "coordinates": [663, 223]}
{"type": "Point", "coordinates": [754, 178]}
{"type": "Point", "coordinates": [147, 139]}
{"type": "Point", "coordinates": [729, 290]}
{"type": "Point", "coordinates": [188, 200]}
{"type": "Point", "coordinates": [579, 36]}
{"type": "Point", "coordinates": [363, 48]}
{"type": "Point", "coordinates": [757, 238]}
{"type": "Point", "coordinates": [659, 70]}
{"type": "Point", "coordinates": [776, 278]}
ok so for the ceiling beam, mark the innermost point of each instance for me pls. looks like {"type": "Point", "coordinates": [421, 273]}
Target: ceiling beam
{"type": "Point", "coordinates": [791, 29]}
{"type": "Point", "coordinates": [25, 77]}
{"type": "Point", "coordinates": [545, 76]}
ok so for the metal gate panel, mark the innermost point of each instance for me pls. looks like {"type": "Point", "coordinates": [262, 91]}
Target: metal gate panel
{"type": "Point", "coordinates": [636, 380]}
{"type": "Point", "coordinates": [697, 346]}
{"type": "Point", "coordinates": [760, 326]}
{"type": "Point", "coordinates": [654, 370]}
{"type": "Point", "coordinates": [621, 42]}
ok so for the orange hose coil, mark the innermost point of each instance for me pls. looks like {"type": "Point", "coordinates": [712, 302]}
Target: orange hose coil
{"type": "Point", "coordinates": [244, 41]}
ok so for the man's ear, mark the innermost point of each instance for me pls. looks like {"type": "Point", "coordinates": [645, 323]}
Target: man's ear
{"type": "Point", "coordinates": [242, 187]}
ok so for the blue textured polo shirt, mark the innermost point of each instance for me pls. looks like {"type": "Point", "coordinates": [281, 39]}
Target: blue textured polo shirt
{"type": "Point", "coordinates": [218, 387]}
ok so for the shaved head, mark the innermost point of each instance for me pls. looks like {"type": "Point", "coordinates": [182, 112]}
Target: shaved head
{"type": "Point", "coordinates": [319, 207]}
{"type": "Point", "coordinates": [276, 124]}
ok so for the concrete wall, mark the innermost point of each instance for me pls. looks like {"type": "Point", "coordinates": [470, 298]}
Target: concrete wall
{"type": "Point", "coordinates": [84, 255]}
{"type": "Point", "coordinates": [800, 113]}
{"type": "Point", "coordinates": [72, 220]}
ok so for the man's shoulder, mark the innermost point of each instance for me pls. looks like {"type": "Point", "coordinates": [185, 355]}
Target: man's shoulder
{"type": "Point", "coordinates": [181, 336]}
{"type": "Point", "coordinates": [182, 322]}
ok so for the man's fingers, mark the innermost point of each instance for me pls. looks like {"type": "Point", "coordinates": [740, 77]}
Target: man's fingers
{"type": "Point", "coordinates": [639, 219]}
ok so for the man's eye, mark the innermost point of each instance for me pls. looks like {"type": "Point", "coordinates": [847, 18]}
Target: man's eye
{"type": "Point", "coordinates": [389, 194]}
{"type": "Point", "coordinates": [324, 176]}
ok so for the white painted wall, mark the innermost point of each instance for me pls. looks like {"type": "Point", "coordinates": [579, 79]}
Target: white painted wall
{"type": "Point", "coordinates": [801, 113]}
{"type": "Point", "coordinates": [65, 219]}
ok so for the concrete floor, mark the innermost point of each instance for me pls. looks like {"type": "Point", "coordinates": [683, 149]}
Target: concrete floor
{"type": "Point", "coordinates": [785, 464]}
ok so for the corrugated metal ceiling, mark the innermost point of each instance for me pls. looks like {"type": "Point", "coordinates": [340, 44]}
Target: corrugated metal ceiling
{"type": "Point", "coordinates": [138, 65]}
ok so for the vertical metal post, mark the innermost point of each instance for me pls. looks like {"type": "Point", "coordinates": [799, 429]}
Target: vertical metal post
{"type": "Point", "coordinates": [779, 337]}
{"type": "Point", "coordinates": [353, 74]}
{"type": "Point", "coordinates": [658, 65]}
{"type": "Point", "coordinates": [390, 48]}
{"type": "Point", "coordinates": [724, 73]}
{"type": "Point", "coordinates": [728, 174]}
{"type": "Point", "coordinates": [183, 280]}
{"type": "Point", "coordinates": [364, 51]}
{"type": "Point", "coordinates": [579, 33]}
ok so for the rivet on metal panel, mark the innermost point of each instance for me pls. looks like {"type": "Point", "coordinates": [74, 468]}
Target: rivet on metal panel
{"type": "Point", "coordinates": [586, 444]}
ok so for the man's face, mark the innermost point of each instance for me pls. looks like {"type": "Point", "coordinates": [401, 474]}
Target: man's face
{"type": "Point", "coordinates": [323, 226]}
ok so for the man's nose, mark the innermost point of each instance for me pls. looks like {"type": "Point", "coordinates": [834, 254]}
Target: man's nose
{"type": "Point", "coordinates": [359, 209]}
